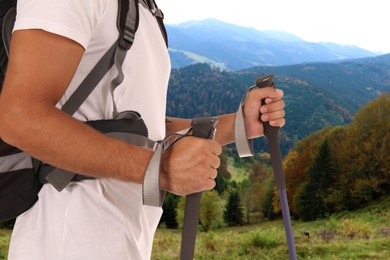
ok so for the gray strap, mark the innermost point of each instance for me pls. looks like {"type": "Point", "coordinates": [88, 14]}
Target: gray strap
{"type": "Point", "coordinates": [119, 58]}
{"type": "Point", "coordinates": [125, 43]}
{"type": "Point", "coordinates": [90, 82]}
{"type": "Point", "coordinates": [243, 144]}
{"type": "Point", "coordinates": [151, 192]}
{"type": "Point", "coordinates": [152, 195]}
{"type": "Point", "coordinates": [60, 178]}
{"type": "Point", "coordinates": [14, 162]}
{"type": "Point", "coordinates": [134, 139]}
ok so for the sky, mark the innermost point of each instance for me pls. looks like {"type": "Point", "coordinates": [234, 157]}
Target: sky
{"type": "Point", "coordinates": [363, 23]}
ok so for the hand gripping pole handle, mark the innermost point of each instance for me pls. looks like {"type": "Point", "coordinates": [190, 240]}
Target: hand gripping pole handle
{"type": "Point", "coordinates": [272, 135]}
{"type": "Point", "coordinates": [202, 128]}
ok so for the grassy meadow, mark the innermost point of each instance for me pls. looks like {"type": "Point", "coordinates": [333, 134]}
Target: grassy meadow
{"type": "Point", "coordinates": [362, 234]}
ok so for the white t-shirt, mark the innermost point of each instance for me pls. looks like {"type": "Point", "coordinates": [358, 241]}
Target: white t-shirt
{"type": "Point", "coordinates": [100, 218]}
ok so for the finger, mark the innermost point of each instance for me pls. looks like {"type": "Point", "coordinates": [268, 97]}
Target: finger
{"type": "Point", "coordinates": [274, 106]}
{"type": "Point", "coordinates": [213, 174]}
{"type": "Point", "coordinates": [210, 184]}
{"type": "Point", "coordinates": [215, 163]}
{"type": "Point", "coordinates": [215, 148]}
{"type": "Point", "coordinates": [278, 123]}
{"type": "Point", "coordinates": [272, 100]}
{"type": "Point", "coordinates": [273, 116]}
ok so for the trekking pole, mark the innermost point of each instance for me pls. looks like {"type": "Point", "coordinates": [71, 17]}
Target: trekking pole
{"type": "Point", "coordinates": [272, 135]}
{"type": "Point", "coordinates": [203, 128]}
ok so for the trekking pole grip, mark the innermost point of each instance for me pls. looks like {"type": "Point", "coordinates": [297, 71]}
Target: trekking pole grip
{"type": "Point", "coordinates": [203, 127]}
{"type": "Point", "coordinates": [272, 135]}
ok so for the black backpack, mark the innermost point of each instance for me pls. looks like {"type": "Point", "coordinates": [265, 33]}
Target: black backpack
{"type": "Point", "coordinates": [19, 178]}
{"type": "Point", "coordinates": [5, 6]}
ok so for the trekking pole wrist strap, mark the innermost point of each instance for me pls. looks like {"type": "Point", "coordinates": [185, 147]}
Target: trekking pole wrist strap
{"type": "Point", "coordinates": [152, 195]}
{"type": "Point", "coordinates": [243, 144]}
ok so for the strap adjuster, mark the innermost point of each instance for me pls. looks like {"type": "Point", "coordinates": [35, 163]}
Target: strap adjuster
{"type": "Point", "coordinates": [127, 38]}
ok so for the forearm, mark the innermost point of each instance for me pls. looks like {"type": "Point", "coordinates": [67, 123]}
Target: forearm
{"type": "Point", "coordinates": [50, 135]}
{"type": "Point", "coordinates": [225, 127]}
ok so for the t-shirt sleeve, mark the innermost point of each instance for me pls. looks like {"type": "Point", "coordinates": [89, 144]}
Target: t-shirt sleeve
{"type": "Point", "coordinates": [73, 19]}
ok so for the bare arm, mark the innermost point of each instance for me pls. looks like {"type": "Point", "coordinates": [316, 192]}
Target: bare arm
{"type": "Point", "coordinates": [40, 69]}
{"type": "Point", "coordinates": [272, 111]}
{"type": "Point", "coordinates": [224, 134]}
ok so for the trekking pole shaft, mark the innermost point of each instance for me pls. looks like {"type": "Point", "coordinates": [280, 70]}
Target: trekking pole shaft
{"type": "Point", "coordinates": [272, 135]}
{"type": "Point", "coordinates": [191, 216]}
{"type": "Point", "coordinates": [287, 224]}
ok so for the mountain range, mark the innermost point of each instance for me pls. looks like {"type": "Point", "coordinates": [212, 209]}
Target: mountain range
{"type": "Point", "coordinates": [234, 47]}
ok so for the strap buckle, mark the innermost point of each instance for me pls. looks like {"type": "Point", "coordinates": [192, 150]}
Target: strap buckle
{"type": "Point", "coordinates": [127, 38]}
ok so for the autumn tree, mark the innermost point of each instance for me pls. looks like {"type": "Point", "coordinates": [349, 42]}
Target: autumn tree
{"type": "Point", "coordinates": [211, 208]}
{"type": "Point", "coordinates": [297, 164]}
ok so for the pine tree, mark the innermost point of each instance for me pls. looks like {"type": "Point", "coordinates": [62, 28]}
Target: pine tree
{"type": "Point", "coordinates": [311, 201]}
{"type": "Point", "coordinates": [233, 215]}
{"type": "Point", "coordinates": [267, 208]}
{"type": "Point", "coordinates": [169, 216]}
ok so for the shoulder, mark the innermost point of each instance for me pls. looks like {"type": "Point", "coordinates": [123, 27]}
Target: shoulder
{"type": "Point", "coordinates": [73, 19]}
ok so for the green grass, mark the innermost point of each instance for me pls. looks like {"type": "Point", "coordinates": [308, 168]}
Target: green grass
{"type": "Point", "coordinates": [5, 236]}
{"type": "Point", "coordinates": [257, 242]}
{"type": "Point", "coordinates": [238, 173]}
{"type": "Point", "coordinates": [362, 234]}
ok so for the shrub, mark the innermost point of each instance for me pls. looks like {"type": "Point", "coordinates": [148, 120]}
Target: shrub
{"type": "Point", "coordinates": [355, 229]}
{"type": "Point", "coordinates": [210, 241]}
{"type": "Point", "coordinates": [265, 240]}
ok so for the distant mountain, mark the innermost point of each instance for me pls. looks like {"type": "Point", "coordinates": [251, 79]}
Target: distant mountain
{"type": "Point", "coordinates": [235, 47]}
{"type": "Point", "coordinates": [316, 94]}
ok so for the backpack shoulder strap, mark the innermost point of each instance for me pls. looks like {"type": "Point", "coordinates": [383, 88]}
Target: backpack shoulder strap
{"type": "Point", "coordinates": [7, 26]}
{"type": "Point", "coordinates": [160, 19]}
{"type": "Point", "coordinates": [7, 20]}
{"type": "Point", "coordinates": [127, 22]}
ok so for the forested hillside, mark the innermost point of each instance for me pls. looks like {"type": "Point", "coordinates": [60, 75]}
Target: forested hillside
{"type": "Point", "coordinates": [316, 94]}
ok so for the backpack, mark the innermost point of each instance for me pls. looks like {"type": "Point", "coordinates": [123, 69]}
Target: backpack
{"type": "Point", "coordinates": [19, 178]}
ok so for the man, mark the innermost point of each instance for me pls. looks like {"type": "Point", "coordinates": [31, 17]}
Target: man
{"type": "Point", "coordinates": [54, 45]}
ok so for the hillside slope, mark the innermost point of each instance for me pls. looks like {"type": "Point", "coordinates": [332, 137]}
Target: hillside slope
{"type": "Point", "coordinates": [316, 94]}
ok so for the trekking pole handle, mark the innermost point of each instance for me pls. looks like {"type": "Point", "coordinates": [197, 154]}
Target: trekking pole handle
{"type": "Point", "coordinates": [272, 135]}
{"type": "Point", "coordinates": [204, 127]}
